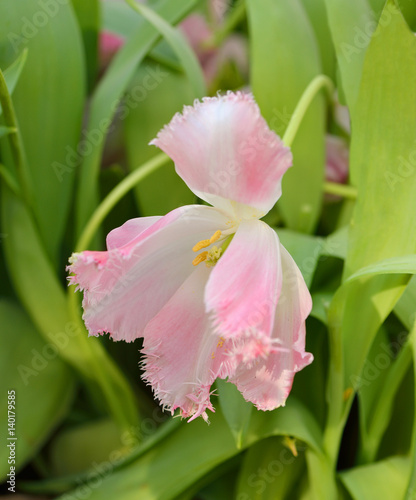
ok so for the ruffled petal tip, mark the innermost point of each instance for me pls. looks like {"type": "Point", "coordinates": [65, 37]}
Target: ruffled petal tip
{"type": "Point", "coordinates": [83, 267]}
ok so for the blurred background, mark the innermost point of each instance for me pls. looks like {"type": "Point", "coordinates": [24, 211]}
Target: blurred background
{"type": "Point", "coordinates": [85, 85]}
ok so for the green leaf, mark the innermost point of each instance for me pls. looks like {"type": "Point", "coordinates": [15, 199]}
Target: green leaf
{"type": "Point", "coordinates": [352, 25]}
{"type": "Point", "coordinates": [44, 299]}
{"type": "Point", "coordinates": [383, 213]}
{"type": "Point", "coordinates": [88, 15]}
{"type": "Point", "coordinates": [165, 471]}
{"type": "Point", "coordinates": [380, 481]}
{"type": "Point", "coordinates": [73, 450]}
{"type": "Point", "coordinates": [193, 450]}
{"type": "Point", "coordinates": [385, 115]}
{"type": "Point", "coordinates": [408, 9]}
{"type": "Point", "coordinates": [405, 264]}
{"type": "Point", "coordinates": [237, 411]}
{"type": "Point", "coordinates": [179, 44]}
{"type": "Point", "coordinates": [117, 18]}
{"type": "Point", "coordinates": [377, 6]}
{"type": "Point", "coordinates": [405, 307]}
{"type": "Point", "coordinates": [318, 17]}
{"type": "Point", "coordinates": [270, 471]}
{"type": "Point", "coordinates": [377, 387]}
{"type": "Point", "coordinates": [309, 384]}
{"type": "Point", "coordinates": [411, 487]}
{"type": "Point", "coordinates": [292, 420]}
{"type": "Point", "coordinates": [304, 249]}
{"type": "Point", "coordinates": [146, 112]}
{"type": "Point", "coordinates": [321, 302]}
{"type": "Point", "coordinates": [31, 368]}
{"type": "Point", "coordinates": [108, 95]}
{"type": "Point", "coordinates": [49, 122]}
{"type": "Point", "coordinates": [336, 244]}
{"type": "Point", "coordinates": [279, 78]}
{"type": "Point", "coordinates": [12, 73]}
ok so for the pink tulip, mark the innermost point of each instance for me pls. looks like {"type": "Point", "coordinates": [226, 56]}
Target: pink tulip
{"type": "Point", "coordinates": [109, 44]}
{"type": "Point", "coordinates": [209, 288]}
{"type": "Point", "coordinates": [337, 159]}
{"type": "Point", "coordinates": [212, 59]}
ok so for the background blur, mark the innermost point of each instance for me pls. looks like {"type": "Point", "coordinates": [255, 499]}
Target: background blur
{"type": "Point", "coordinates": [84, 86]}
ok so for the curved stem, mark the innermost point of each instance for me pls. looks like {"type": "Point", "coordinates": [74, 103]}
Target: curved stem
{"type": "Point", "coordinates": [318, 83]}
{"type": "Point", "coordinates": [115, 196]}
{"type": "Point", "coordinates": [343, 190]}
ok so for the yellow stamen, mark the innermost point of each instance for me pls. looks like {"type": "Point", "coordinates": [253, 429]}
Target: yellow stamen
{"type": "Point", "coordinates": [206, 243]}
{"type": "Point", "coordinates": [212, 355]}
{"type": "Point", "coordinates": [215, 237]}
{"type": "Point", "coordinates": [201, 244]}
{"type": "Point", "coordinates": [221, 342]}
{"type": "Point", "coordinates": [200, 258]}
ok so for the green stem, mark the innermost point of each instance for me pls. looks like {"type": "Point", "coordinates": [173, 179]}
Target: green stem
{"type": "Point", "coordinates": [15, 140]}
{"type": "Point", "coordinates": [343, 190]}
{"type": "Point", "coordinates": [318, 83]}
{"type": "Point", "coordinates": [115, 196]}
{"type": "Point", "coordinates": [323, 483]}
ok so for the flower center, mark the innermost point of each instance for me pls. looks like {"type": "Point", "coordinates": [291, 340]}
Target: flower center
{"type": "Point", "coordinates": [211, 256]}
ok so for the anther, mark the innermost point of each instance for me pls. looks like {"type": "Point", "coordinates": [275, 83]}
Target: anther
{"type": "Point", "coordinates": [215, 237]}
{"type": "Point", "coordinates": [200, 258]}
{"type": "Point", "coordinates": [206, 243]}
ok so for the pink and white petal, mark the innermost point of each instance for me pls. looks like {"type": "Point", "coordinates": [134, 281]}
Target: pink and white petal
{"type": "Point", "coordinates": [294, 306]}
{"type": "Point", "coordinates": [183, 355]}
{"type": "Point", "coordinates": [130, 230]}
{"type": "Point", "coordinates": [267, 382]}
{"type": "Point", "coordinates": [126, 287]}
{"type": "Point", "coordinates": [224, 150]}
{"type": "Point", "coordinates": [244, 286]}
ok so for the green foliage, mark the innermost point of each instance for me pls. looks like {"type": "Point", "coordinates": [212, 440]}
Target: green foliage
{"type": "Point", "coordinates": [88, 15]}
{"type": "Point", "coordinates": [278, 79]}
{"type": "Point", "coordinates": [29, 366]}
{"type": "Point", "coordinates": [107, 96]}
{"type": "Point", "coordinates": [49, 123]}
{"type": "Point", "coordinates": [380, 481]}
{"type": "Point", "coordinates": [74, 141]}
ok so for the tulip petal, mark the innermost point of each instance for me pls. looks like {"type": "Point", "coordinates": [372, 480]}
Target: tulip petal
{"type": "Point", "coordinates": [224, 150]}
{"type": "Point", "coordinates": [126, 286]}
{"type": "Point", "coordinates": [267, 382]}
{"type": "Point", "coordinates": [130, 230]}
{"type": "Point", "coordinates": [183, 355]}
{"type": "Point", "coordinates": [244, 286]}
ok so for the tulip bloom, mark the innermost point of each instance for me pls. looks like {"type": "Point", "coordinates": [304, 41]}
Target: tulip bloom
{"type": "Point", "coordinates": [210, 289]}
